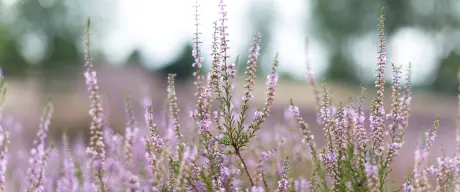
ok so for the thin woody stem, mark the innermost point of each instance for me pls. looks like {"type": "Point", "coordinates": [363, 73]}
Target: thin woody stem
{"type": "Point", "coordinates": [237, 152]}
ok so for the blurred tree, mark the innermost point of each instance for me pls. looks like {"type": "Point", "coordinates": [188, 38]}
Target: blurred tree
{"type": "Point", "coordinates": [337, 21]}
{"type": "Point", "coordinates": [135, 58]}
{"type": "Point", "coordinates": [11, 61]}
{"type": "Point", "coordinates": [341, 69]}
{"type": "Point", "coordinates": [181, 66]}
{"type": "Point", "coordinates": [47, 33]}
{"type": "Point", "coordinates": [446, 77]}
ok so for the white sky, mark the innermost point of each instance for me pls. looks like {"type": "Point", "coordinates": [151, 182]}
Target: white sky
{"type": "Point", "coordinates": [171, 24]}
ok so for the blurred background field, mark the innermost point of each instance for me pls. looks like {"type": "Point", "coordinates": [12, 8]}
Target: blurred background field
{"type": "Point", "coordinates": [137, 43]}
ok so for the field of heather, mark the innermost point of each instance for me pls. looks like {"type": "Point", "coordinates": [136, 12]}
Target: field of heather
{"type": "Point", "coordinates": [122, 130]}
{"type": "Point", "coordinates": [71, 115]}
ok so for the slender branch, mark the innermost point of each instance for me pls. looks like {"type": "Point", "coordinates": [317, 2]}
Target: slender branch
{"type": "Point", "coordinates": [193, 186]}
{"type": "Point", "coordinates": [237, 152]}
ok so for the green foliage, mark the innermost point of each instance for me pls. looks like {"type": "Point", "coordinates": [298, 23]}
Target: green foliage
{"type": "Point", "coordinates": [341, 70]}
{"type": "Point", "coordinates": [181, 66]}
{"type": "Point", "coordinates": [446, 74]}
{"type": "Point", "coordinates": [57, 24]}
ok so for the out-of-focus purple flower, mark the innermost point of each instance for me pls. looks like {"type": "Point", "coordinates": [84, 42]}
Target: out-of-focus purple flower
{"type": "Point", "coordinates": [231, 70]}
{"type": "Point", "coordinates": [432, 170]}
{"type": "Point", "coordinates": [38, 158]}
{"type": "Point", "coordinates": [4, 146]}
{"type": "Point", "coordinates": [408, 187]}
{"type": "Point", "coordinates": [68, 180]}
{"type": "Point", "coordinates": [370, 169]}
{"type": "Point", "coordinates": [328, 158]}
{"type": "Point", "coordinates": [272, 79]}
{"type": "Point", "coordinates": [258, 114]}
{"type": "Point", "coordinates": [256, 189]}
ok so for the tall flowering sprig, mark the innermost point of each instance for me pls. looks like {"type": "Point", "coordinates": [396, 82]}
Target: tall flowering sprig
{"type": "Point", "coordinates": [131, 131]}
{"type": "Point", "coordinates": [133, 183]}
{"type": "Point", "coordinates": [227, 74]}
{"type": "Point", "coordinates": [283, 183]}
{"type": "Point", "coordinates": [153, 165]}
{"type": "Point", "coordinates": [409, 184]}
{"type": "Point", "coordinates": [311, 81]}
{"type": "Point", "coordinates": [216, 73]}
{"type": "Point", "coordinates": [234, 136]}
{"type": "Point", "coordinates": [4, 139]}
{"type": "Point", "coordinates": [39, 154]}
{"type": "Point", "coordinates": [215, 158]}
{"type": "Point", "coordinates": [405, 103]}
{"type": "Point", "coordinates": [173, 108]}
{"type": "Point", "coordinates": [223, 34]}
{"type": "Point", "coordinates": [339, 136]}
{"type": "Point", "coordinates": [326, 117]}
{"type": "Point", "coordinates": [354, 157]}
{"type": "Point", "coordinates": [228, 70]}
{"type": "Point", "coordinates": [207, 146]}
{"type": "Point", "coordinates": [360, 131]}
{"type": "Point", "coordinates": [251, 69]}
{"type": "Point", "coordinates": [196, 53]}
{"type": "Point", "coordinates": [406, 99]}
{"type": "Point", "coordinates": [251, 73]}
{"type": "Point", "coordinates": [208, 95]}
{"type": "Point", "coordinates": [430, 136]}
{"type": "Point", "coordinates": [96, 150]}
{"type": "Point", "coordinates": [396, 118]}
{"type": "Point", "coordinates": [373, 182]}
{"type": "Point", "coordinates": [330, 155]}
{"type": "Point", "coordinates": [174, 115]}
{"type": "Point", "coordinates": [377, 117]}
{"type": "Point", "coordinates": [201, 114]}
{"type": "Point", "coordinates": [196, 40]}
{"type": "Point", "coordinates": [261, 115]}
{"type": "Point", "coordinates": [309, 139]}
{"type": "Point", "coordinates": [350, 116]}
{"type": "Point", "coordinates": [336, 125]}
{"type": "Point", "coordinates": [171, 175]}
{"type": "Point", "coordinates": [417, 175]}
{"type": "Point", "coordinates": [68, 180]}
{"type": "Point", "coordinates": [215, 85]}
{"type": "Point", "coordinates": [154, 143]}
{"type": "Point", "coordinates": [272, 81]}
{"type": "Point", "coordinates": [259, 175]}
{"type": "Point", "coordinates": [330, 162]}
{"type": "Point", "coordinates": [338, 132]}
{"type": "Point", "coordinates": [445, 173]}
{"type": "Point", "coordinates": [420, 180]}
{"type": "Point", "coordinates": [185, 167]}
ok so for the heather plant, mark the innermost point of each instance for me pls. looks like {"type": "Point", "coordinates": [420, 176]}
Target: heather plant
{"type": "Point", "coordinates": [223, 149]}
